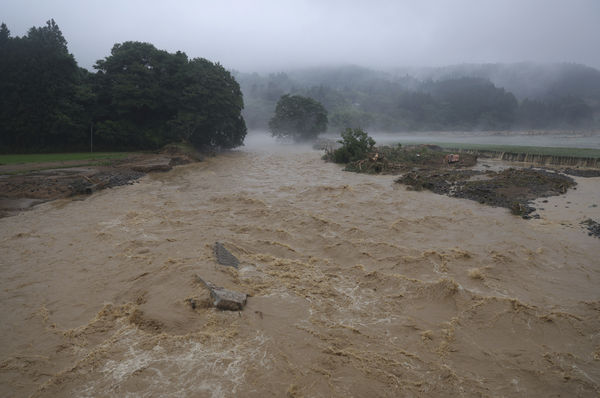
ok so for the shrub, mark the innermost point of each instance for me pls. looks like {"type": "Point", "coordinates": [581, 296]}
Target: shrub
{"type": "Point", "coordinates": [356, 144]}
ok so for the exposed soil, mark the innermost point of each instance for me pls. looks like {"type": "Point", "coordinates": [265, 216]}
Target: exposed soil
{"type": "Point", "coordinates": [581, 172]}
{"type": "Point", "coordinates": [510, 188]}
{"type": "Point", "coordinates": [23, 186]}
{"type": "Point", "coordinates": [432, 168]}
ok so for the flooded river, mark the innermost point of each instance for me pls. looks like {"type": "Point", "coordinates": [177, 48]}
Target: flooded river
{"type": "Point", "coordinates": [359, 288]}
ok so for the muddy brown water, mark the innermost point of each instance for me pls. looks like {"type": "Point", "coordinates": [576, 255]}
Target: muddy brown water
{"type": "Point", "coordinates": [359, 288]}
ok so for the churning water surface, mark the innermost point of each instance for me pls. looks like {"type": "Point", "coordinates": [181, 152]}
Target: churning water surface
{"type": "Point", "coordinates": [358, 288]}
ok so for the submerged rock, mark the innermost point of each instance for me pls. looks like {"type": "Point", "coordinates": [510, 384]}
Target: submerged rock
{"type": "Point", "coordinates": [592, 226]}
{"type": "Point", "coordinates": [224, 256]}
{"type": "Point", "coordinates": [224, 299]}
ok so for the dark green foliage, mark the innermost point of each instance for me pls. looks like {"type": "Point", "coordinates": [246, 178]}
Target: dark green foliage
{"type": "Point", "coordinates": [140, 98]}
{"type": "Point", "coordinates": [470, 103]}
{"type": "Point", "coordinates": [38, 82]}
{"type": "Point", "coordinates": [299, 118]}
{"type": "Point", "coordinates": [562, 112]}
{"type": "Point", "coordinates": [149, 97]}
{"type": "Point", "coordinates": [4, 34]}
{"type": "Point", "coordinates": [356, 144]}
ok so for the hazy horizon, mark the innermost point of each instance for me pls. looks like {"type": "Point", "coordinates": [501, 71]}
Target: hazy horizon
{"type": "Point", "coordinates": [269, 36]}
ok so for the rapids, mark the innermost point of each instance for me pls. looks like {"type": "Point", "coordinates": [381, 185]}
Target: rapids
{"type": "Point", "coordinates": [358, 287]}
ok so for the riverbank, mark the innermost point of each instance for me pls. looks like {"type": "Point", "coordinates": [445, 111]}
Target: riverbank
{"type": "Point", "coordinates": [24, 185]}
{"type": "Point", "coordinates": [513, 185]}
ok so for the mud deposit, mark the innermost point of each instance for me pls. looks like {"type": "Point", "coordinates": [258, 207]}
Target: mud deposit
{"type": "Point", "coordinates": [358, 288]}
{"type": "Point", "coordinates": [510, 188]}
{"type": "Point", "coordinates": [23, 186]}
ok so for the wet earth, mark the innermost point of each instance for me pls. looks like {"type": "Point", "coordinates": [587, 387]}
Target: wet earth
{"type": "Point", "coordinates": [511, 188]}
{"type": "Point", "coordinates": [27, 185]}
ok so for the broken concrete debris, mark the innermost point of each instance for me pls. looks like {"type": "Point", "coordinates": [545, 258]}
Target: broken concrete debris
{"type": "Point", "coordinates": [224, 257]}
{"type": "Point", "coordinates": [224, 299]}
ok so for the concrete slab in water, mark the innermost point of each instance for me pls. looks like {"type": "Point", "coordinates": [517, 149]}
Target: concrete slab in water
{"type": "Point", "coordinates": [224, 257]}
{"type": "Point", "coordinates": [224, 299]}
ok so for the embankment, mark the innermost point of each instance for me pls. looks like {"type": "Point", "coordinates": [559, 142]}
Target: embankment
{"type": "Point", "coordinates": [538, 159]}
{"type": "Point", "coordinates": [23, 186]}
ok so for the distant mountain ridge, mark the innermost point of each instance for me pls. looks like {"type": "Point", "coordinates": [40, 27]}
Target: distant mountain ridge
{"type": "Point", "coordinates": [466, 96]}
{"type": "Point", "coordinates": [524, 79]}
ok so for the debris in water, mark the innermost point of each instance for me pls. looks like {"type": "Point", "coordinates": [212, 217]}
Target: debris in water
{"type": "Point", "coordinates": [224, 299]}
{"type": "Point", "coordinates": [476, 273]}
{"type": "Point", "coordinates": [224, 257]}
{"type": "Point", "coordinates": [592, 226]}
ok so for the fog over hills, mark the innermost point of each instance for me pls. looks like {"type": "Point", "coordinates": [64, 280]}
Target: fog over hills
{"type": "Point", "coordinates": [524, 79]}
{"type": "Point", "coordinates": [465, 96]}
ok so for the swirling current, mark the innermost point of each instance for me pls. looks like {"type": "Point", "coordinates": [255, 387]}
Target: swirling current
{"type": "Point", "coordinates": [358, 288]}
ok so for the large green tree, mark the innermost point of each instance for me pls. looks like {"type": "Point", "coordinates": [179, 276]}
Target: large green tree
{"type": "Point", "coordinates": [148, 97]}
{"type": "Point", "coordinates": [137, 95]}
{"type": "Point", "coordinates": [38, 82]}
{"type": "Point", "coordinates": [140, 98]}
{"type": "Point", "coordinates": [299, 118]}
{"type": "Point", "coordinates": [209, 112]}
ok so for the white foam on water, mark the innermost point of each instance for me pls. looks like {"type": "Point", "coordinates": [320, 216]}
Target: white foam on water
{"type": "Point", "coordinates": [178, 368]}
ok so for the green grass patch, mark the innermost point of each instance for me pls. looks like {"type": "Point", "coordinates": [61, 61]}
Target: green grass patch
{"type": "Point", "coordinates": [62, 157]}
{"type": "Point", "coordinates": [533, 150]}
{"type": "Point", "coordinates": [36, 169]}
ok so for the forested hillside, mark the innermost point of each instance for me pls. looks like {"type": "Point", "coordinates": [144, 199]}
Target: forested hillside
{"type": "Point", "coordinates": [464, 97]}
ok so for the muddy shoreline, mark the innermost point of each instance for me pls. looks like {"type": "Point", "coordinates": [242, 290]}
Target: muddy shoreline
{"type": "Point", "coordinates": [512, 188]}
{"type": "Point", "coordinates": [462, 175]}
{"type": "Point", "coordinates": [24, 186]}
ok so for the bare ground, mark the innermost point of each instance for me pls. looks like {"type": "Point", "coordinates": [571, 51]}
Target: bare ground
{"type": "Point", "coordinates": [23, 186]}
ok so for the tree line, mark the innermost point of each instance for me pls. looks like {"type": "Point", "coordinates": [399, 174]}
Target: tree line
{"type": "Point", "coordinates": [140, 97]}
{"type": "Point", "coordinates": [358, 97]}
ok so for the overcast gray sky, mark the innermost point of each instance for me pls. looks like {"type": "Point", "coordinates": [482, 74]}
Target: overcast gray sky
{"type": "Point", "coordinates": [270, 35]}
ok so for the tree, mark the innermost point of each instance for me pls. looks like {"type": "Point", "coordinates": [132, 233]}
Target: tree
{"type": "Point", "coordinates": [4, 34]}
{"type": "Point", "coordinates": [356, 144]}
{"type": "Point", "coordinates": [38, 79]}
{"type": "Point", "coordinates": [151, 97]}
{"type": "Point", "coordinates": [134, 96]}
{"type": "Point", "coordinates": [299, 118]}
{"type": "Point", "coordinates": [209, 112]}
{"type": "Point", "coordinates": [140, 98]}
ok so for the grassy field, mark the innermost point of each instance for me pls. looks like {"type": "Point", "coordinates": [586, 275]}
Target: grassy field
{"type": "Point", "coordinates": [533, 150]}
{"type": "Point", "coordinates": [62, 157]}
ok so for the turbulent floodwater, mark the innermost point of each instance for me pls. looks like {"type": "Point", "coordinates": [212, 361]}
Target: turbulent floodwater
{"type": "Point", "coordinates": [358, 287]}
